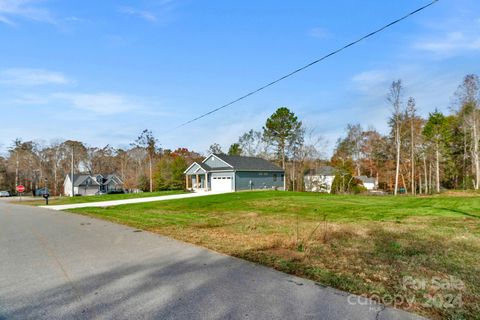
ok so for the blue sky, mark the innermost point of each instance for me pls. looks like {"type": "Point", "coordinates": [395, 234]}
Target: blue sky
{"type": "Point", "coordinates": [102, 71]}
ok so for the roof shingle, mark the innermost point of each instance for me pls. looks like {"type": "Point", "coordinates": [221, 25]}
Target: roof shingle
{"type": "Point", "coordinates": [242, 163]}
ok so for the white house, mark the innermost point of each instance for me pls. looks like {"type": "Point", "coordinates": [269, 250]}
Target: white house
{"type": "Point", "coordinates": [320, 179]}
{"type": "Point", "coordinates": [89, 185]}
{"type": "Point", "coordinates": [368, 183]}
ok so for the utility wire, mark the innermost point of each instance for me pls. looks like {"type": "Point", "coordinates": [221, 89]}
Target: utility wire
{"type": "Point", "coordinates": [307, 66]}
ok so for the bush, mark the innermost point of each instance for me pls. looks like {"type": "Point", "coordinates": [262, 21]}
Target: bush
{"type": "Point", "coordinates": [169, 173]}
{"type": "Point", "coordinates": [357, 189]}
{"type": "Point", "coordinates": [346, 183]}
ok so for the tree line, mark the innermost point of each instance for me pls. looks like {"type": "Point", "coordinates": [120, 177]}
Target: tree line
{"type": "Point", "coordinates": [144, 165]}
{"type": "Point", "coordinates": [418, 155]}
{"type": "Point", "coordinates": [141, 166]}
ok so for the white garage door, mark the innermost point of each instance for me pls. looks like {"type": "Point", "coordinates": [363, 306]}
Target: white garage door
{"type": "Point", "coordinates": [220, 184]}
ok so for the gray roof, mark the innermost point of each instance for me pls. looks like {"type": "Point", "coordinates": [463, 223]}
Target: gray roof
{"type": "Point", "coordinates": [79, 178]}
{"type": "Point", "coordinates": [107, 177]}
{"type": "Point", "coordinates": [241, 163]}
{"type": "Point", "coordinates": [204, 166]}
{"type": "Point", "coordinates": [322, 171]}
{"type": "Point", "coordinates": [366, 179]}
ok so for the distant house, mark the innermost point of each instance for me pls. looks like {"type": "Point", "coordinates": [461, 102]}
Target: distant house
{"type": "Point", "coordinates": [220, 172]}
{"type": "Point", "coordinates": [88, 185]}
{"type": "Point", "coordinates": [319, 179]}
{"type": "Point", "coordinates": [368, 183]}
{"type": "Point", "coordinates": [40, 192]}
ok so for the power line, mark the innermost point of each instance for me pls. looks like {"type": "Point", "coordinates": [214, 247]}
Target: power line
{"type": "Point", "coordinates": [307, 65]}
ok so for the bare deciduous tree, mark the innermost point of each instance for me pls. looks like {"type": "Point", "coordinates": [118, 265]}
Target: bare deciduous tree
{"type": "Point", "coordinates": [147, 141]}
{"type": "Point", "coordinates": [411, 110]}
{"type": "Point", "coordinates": [395, 99]}
{"type": "Point", "coordinates": [468, 96]}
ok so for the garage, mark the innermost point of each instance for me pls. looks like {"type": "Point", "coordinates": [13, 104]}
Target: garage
{"type": "Point", "coordinates": [227, 173]}
{"type": "Point", "coordinates": [221, 183]}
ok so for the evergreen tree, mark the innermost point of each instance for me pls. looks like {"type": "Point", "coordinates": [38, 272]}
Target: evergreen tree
{"type": "Point", "coordinates": [283, 130]}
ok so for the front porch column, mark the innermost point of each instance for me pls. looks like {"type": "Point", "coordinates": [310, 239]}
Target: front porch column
{"type": "Point", "coordinates": [196, 181]}
{"type": "Point", "coordinates": [186, 181]}
{"type": "Point", "coordinates": [206, 181]}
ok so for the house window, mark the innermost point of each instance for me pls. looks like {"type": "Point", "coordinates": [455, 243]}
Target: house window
{"type": "Point", "coordinates": [274, 177]}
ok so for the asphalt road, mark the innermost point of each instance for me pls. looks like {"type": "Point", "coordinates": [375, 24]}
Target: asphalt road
{"type": "Point", "coordinates": [56, 265]}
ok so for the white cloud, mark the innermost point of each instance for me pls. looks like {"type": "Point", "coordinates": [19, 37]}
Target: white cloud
{"type": "Point", "coordinates": [431, 88]}
{"type": "Point", "coordinates": [30, 99]}
{"type": "Point", "coordinates": [369, 80]}
{"type": "Point", "coordinates": [451, 43]}
{"type": "Point", "coordinates": [319, 33]}
{"type": "Point", "coordinates": [157, 11]}
{"type": "Point", "coordinates": [96, 103]}
{"type": "Point", "coordinates": [6, 21]}
{"type": "Point", "coordinates": [102, 103]}
{"type": "Point", "coordinates": [144, 14]}
{"type": "Point", "coordinates": [10, 10]}
{"type": "Point", "coordinates": [32, 77]}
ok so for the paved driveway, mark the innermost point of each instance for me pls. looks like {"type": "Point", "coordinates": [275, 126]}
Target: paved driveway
{"type": "Point", "coordinates": [127, 201]}
{"type": "Point", "coordinates": [60, 265]}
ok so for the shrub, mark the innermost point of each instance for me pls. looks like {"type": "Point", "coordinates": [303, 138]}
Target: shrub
{"type": "Point", "coordinates": [346, 183]}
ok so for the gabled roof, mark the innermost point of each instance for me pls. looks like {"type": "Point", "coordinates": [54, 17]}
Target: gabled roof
{"type": "Point", "coordinates": [366, 179]}
{"type": "Point", "coordinates": [237, 163]}
{"type": "Point", "coordinates": [242, 163]}
{"type": "Point", "coordinates": [79, 179]}
{"type": "Point", "coordinates": [113, 178]}
{"type": "Point", "coordinates": [204, 166]}
{"type": "Point", "coordinates": [322, 171]}
{"type": "Point", "coordinates": [198, 166]}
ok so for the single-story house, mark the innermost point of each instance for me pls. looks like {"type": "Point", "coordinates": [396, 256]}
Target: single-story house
{"type": "Point", "coordinates": [368, 183]}
{"type": "Point", "coordinates": [89, 185]}
{"type": "Point", "coordinates": [223, 173]}
{"type": "Point", "coordinates": [319, 179]}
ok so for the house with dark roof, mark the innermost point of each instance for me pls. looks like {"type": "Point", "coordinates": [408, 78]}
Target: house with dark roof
{"type": "Point", "coordinates": [320, 179]}
{"type": "Point", "coordinates": [89, 185]}
{"type": "Point", "coordinates": [224, 173]}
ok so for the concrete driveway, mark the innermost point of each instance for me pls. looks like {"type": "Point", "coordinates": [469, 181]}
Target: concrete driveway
{"type": "Point", "coordinates": [128, 201]}
{"type": "Point", "coordinates": [56, 265]}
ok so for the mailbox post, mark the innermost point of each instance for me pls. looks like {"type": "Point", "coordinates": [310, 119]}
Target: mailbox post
{"type": "Point", "coordinates": [45, 196]}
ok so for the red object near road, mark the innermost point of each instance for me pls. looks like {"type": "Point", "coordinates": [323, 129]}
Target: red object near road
{"type": "Point", "coordinates": [20, 189]}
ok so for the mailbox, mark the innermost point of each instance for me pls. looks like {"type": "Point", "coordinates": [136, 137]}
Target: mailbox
{"type": "Point", "coordinates": [45, 196]}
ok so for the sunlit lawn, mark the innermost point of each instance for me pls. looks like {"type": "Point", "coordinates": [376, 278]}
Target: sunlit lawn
{"type": "Point", "coordinates": [361, 244]}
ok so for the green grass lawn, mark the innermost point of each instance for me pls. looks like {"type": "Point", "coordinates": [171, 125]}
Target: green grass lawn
{"type": "Point", "coordinates": [104, 197]}
{"type": "Point", "coordinates": [368, 245]}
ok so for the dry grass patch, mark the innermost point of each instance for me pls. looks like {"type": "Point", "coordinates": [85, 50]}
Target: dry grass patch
{"type": "Point", "coordinates": [363, 245]}
{"type": "Point", "coordinates": [369, 258]}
